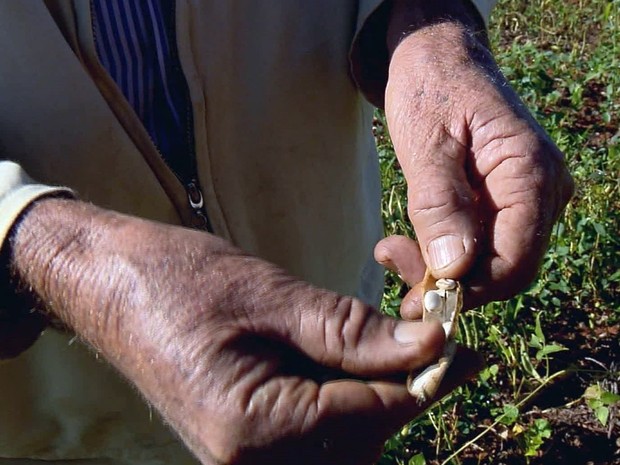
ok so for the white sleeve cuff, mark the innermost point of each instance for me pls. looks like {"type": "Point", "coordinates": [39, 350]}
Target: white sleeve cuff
{"type": "Point", "coordinates": [17, 191]}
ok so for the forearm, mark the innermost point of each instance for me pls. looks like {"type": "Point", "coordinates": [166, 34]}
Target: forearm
{"type": "Point", "coordinates": [50, 248]}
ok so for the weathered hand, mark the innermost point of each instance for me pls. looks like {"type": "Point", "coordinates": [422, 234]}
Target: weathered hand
{"type": "Point", "coordinates": [248, 364]}
{"type": "Point", "coordinates": [485, 182]}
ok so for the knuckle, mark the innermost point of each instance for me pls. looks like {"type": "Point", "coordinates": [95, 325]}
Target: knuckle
{"type": "Point", "coordinates": [427, 198]}
{"type": "Point", "coordinates": [551, 177]}
{"type": "Point", "coordinates": [434, 211]}
{"type": "Point", "coordinates": [351, 324]}
{"type": "Point", "coordinates": [335, 313]}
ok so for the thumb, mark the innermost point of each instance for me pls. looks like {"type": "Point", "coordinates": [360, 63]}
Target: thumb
{"type": "Point", "coordinates": [443, 209]}
{"type": "Point", "coordinates": [345, 334]}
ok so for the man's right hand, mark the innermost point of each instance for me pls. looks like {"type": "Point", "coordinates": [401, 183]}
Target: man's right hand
{"type": "Point", "coordinates": [248, 364]}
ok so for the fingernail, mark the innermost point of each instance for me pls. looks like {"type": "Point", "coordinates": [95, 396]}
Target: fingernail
{"type": "Point", "coordinates": [444, 251]}
{"type": "Point", "coordinates": [407, 332]}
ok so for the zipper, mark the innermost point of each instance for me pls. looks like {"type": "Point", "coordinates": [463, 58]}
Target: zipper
{"type": "Point", "coordinates": [200, 220]}
{"type": "Point", "coordinates": [186, 169]}
{"type": "Point", "coordinates": [195, 197]}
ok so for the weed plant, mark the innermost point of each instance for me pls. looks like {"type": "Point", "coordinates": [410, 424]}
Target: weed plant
{"type": "Point", "coordinates": [563, 57]}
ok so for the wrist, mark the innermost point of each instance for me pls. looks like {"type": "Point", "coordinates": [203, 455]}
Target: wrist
{"type": "Point", "coordinates": [42, 243]}
{"type": "Point", "coordinates": [408, 17]}
{"type": "Point", "coordinates": [446, 48]}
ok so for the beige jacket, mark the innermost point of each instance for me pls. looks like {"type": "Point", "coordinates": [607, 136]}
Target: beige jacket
{"type": "Point", "coordinates": [285, 155]}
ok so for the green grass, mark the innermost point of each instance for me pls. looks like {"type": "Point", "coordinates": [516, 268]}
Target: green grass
{"type": "Point", "coordinates": [563, 57]}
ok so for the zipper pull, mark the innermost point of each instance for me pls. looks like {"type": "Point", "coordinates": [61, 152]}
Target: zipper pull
{"type": "Point", "coordinates": [196, 202]}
